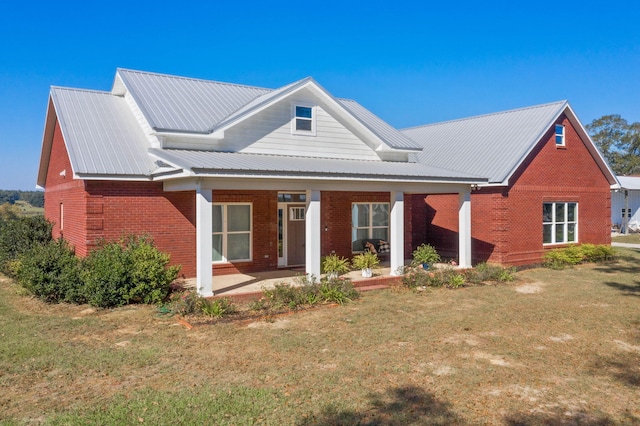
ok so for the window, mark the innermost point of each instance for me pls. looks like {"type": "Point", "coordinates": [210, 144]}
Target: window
{"type": "Point", "coordinates": [296, 213]}
{"type": "Point", "coordinates": [559, 135]}
{"type": "Point", "coordinates": [370, 221]}
{"type": "Point", "coordinates": [559, 223]}
{"type": "Point", "coordinates": [303, 120]}
{"type": "Point", "coordinates": [231, 232]}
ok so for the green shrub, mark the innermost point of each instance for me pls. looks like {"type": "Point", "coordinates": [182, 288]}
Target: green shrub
{"type": "Point", "coordinates": [184, 302]}
{"type": "Point", "coordinates": [51, 272]}
{"type": "Point", "coordinates": [484, 272]}
{"type": "Point", "coordinates": [217, 308]}
{"type": "Point", "coordinates": [338, 291]}
{"type": "Point", "coordinates": [334, 264]}
{"type": "Point", "coordinates": [284, 295]}
{"type": "Point", "coordinates": [151, 277]}
{"type": "Point", "coordinates": [425, 254]}
{"type": "Point", "coordinates": [576, 254]}
{"type": "Point", "coordinates": [18, 235]}
{"type": "Point", "coordinates": [129, 271]}
{"type": "Point", "coordinates": [456, 281]}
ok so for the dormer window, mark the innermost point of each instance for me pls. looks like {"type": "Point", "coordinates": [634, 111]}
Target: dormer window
{"type": "Point", "coordinates": [559, 135]}
{"type": "Point", "coordinates": [304, 122]}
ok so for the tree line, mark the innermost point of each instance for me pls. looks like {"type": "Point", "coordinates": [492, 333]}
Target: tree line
{"type": "Point", "coordinates": [619, 142]}
{"type": "Point", "coordinates": [35, 198]}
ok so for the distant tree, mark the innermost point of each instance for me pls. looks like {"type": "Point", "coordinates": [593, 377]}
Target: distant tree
{"type": "Point", "coordinates": [35, 198]}
{"type": "Point", "coordinates": [9, 196]}
{"type": "Point", "coordinates": [619, 142]}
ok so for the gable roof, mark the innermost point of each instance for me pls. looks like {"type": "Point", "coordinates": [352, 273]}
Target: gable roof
{"type": "Point", "coordinates": [494, 145]}
{"type": "Point", "coordinates": [105, 140]}
{"type": "Point", "coordinates": [101, 135]}
{"type": "Point", "coordinates": [186, 105]}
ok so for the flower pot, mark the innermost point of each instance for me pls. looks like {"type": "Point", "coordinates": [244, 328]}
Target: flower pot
{"type": "Point", "coordinates": [425, 266]}
{"type": "Point", "coordinates": [366, 273]}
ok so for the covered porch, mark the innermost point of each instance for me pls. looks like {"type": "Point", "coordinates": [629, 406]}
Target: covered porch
{"type": "Point", "coordinates": [316, 226]}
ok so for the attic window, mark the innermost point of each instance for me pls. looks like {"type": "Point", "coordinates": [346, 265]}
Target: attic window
{"type": "Point", "coordinates": [303, 120]}
{"type": "Point", "coordinates": [559, 135]}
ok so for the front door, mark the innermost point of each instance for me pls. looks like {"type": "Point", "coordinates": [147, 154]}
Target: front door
{"type": "Point", "coordinates": [295, 234]}
{"type": "Point", "coordinates": [291, 234]}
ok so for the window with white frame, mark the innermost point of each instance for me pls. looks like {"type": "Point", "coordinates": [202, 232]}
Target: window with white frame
{"type": "Point", "coordinates": [231, 232]}
{"type": "Point", "coordinates": [303, 120]}
{"type": "Point", "coordinates": [369, 221]}
{"type": "Point", "coordinates": [560, 140]}
{"type": "Point", "coordinates": [559, 223]}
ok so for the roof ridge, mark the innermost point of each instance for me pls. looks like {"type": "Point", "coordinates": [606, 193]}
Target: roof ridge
{"type": "Point", "coordinates": [76, 89]}
{"type": "Point", "coordinates": [157, 74]}
{"type": "Point", "coordinates": [486, 115]}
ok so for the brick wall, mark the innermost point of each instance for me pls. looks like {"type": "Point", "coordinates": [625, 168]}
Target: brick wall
{"type": "Point", "coordinates": [66, 192]}
{"type": "Point", "coordinates": [507, 222]}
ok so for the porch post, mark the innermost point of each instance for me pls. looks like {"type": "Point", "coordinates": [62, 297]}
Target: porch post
{"type": "Point", "coordinates": [204, 239]}
{"type": "Point", "coordinates": [312, 234]}
{"type": "Point", "coordinates": [396, 226]}
{"type": "Point", "coordinates": [464, 226]}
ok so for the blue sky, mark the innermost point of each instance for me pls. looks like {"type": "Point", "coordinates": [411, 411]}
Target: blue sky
{"type": "Point", "coordinates": [410, 63]}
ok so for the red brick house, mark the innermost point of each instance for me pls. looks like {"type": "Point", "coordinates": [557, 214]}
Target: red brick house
{"type": "Point", "coordinates": [548, 185]}
{"type": "Point", "coordinates": [229, 178]}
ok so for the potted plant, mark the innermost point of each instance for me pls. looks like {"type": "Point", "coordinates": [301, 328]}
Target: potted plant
{"type": "Point", "coordinates": [365, 261]}
{"type": "Point", "coordinates": [425, 255]}
{"type": "Point", "coordinates": [334, 265]}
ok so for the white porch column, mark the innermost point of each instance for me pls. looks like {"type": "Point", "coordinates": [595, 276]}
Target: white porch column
{"type": "Point", "coordinates": [204, 240]}
{"type": "Point", "coordinates": [396, 226]}
{"type": "Point", "coordinates": [312, 234]}
{"type": "Point", "coordinates": [464, 226]}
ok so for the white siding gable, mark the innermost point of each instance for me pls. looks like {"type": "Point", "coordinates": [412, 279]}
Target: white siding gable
{"type": "Point", "coordinates": [269, 132]}
{"type": "Point", "coordinates": [144, 124]}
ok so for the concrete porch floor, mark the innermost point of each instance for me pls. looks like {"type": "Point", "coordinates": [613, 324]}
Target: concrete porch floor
{"type": "Point", "coordinates": [255, 283]}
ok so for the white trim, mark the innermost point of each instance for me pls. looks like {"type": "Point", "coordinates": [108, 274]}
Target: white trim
{"type": "Point", "coordinates": [225, 233]}
{"type": "Point", "coordinates": [371, 227]}
{"type": "Point", "coordinates": [564, 222]}
{"type": "Point", "coordinates": [204, 237]}
{"type": "Point", "coordinates": [294, 119]}
{"type": "Point", "coordinates": [464, 225]}
{"type": "Point", "coordinates": [312, 235]}
{"type": "Point", "coordinates": [396, 229]}
{"type": "Point", "coordinates": [562, 135]}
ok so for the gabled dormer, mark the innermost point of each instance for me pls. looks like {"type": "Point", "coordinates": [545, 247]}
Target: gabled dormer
{"type": "Point", "coordinates": [300, 119]}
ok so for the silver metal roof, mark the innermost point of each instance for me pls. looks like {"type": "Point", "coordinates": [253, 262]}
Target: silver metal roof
{"type": "Point", "coordinates": [207, 162]}
{"type": "Point", "coordinates": [389, 134]}
{"type": "Point", "coordinates": [629, 182]}
{"type": "Point", "coordinates": [181, 104]}
{"type": "Point", "coordinates": [490, 145]}
{"type": "Point", "coordinates": [101, 134]}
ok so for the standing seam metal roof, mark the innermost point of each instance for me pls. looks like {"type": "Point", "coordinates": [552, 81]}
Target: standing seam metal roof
{"type": "Point", "coordinates": [102, 136]}
{"type": "Point", "coordinates": [241, 163]}
{"type": "Point", "coordinates": [179, 104]}
{"type": "Point", "coordinates": [489, 145]}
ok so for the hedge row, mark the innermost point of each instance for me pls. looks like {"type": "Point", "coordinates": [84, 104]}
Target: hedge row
{"type": "Point", "coordinates": [131, 270]}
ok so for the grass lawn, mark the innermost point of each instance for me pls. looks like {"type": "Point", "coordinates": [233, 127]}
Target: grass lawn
{"type": "Point", "coordinates": [629, 238]}
{"type": "Point", "coordinates": [555, 347]}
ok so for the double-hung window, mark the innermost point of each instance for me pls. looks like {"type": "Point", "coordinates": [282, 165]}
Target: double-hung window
{"type": "Point", "coordinates": [370, 221]}
{"type": "Point", "coordinates": [304, 121]}
{"type": "Point", "coordinates": [560, 139]}
{"type": "Point", "coordinates": [231, 232]}
{"type": "Point", "coordinates": [559, 223]}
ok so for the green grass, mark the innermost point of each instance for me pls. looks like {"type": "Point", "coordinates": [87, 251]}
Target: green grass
{"type": "Point", "coordinates": [554, 347]}
{"type": "Point", "coordinates": [27, 209]}
{"type": "Point", "coordinates": [629, 238]}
